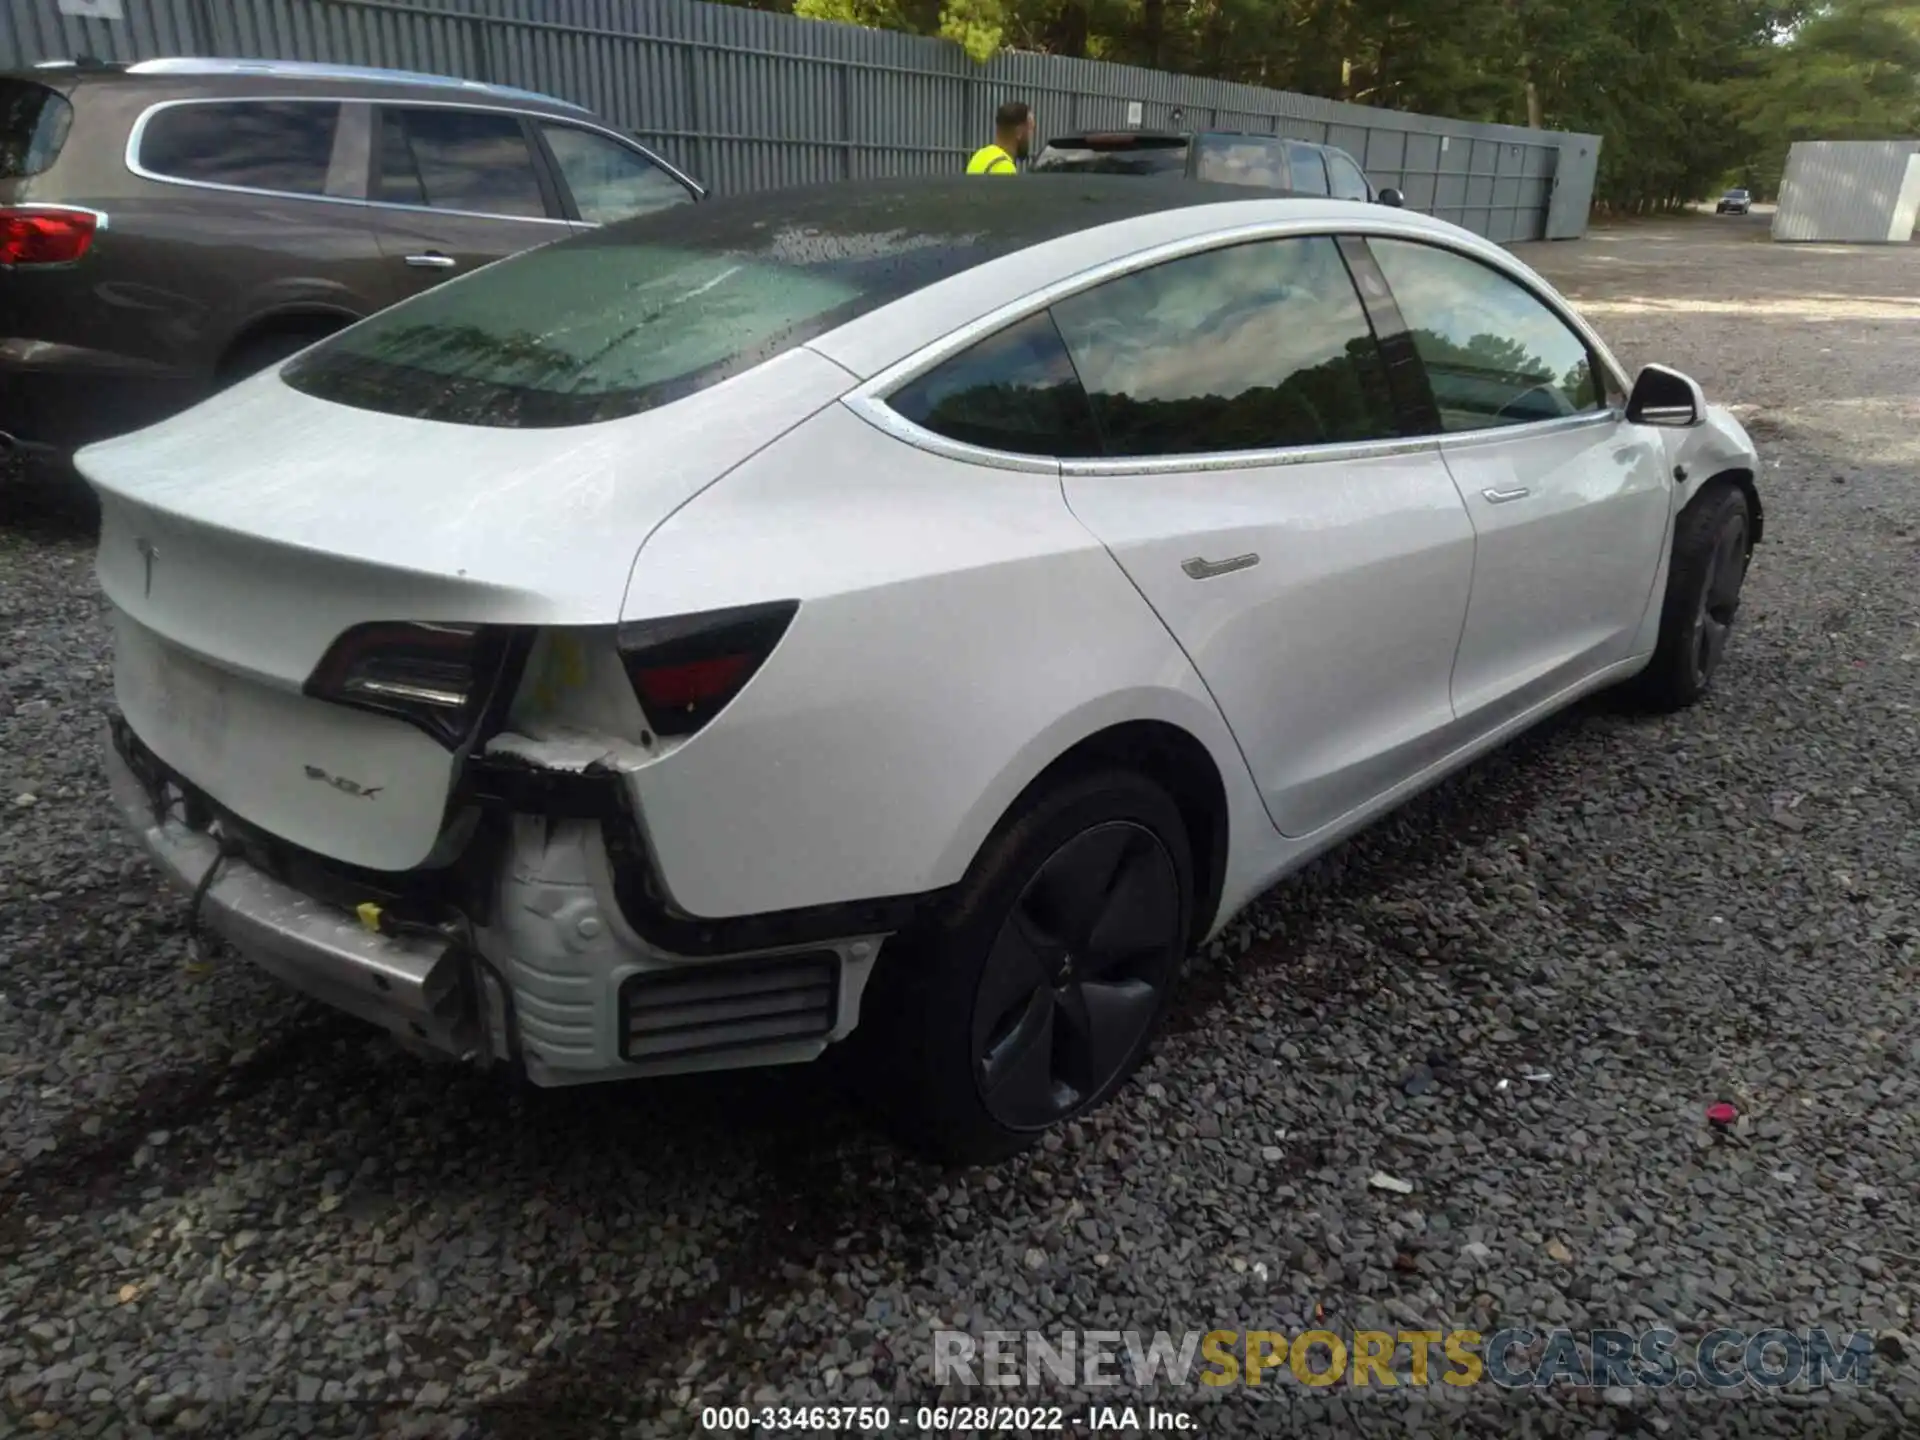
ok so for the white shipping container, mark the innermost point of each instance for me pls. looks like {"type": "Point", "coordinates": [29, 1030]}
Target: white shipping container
{"type": "Point", "coordinates": [1852, 191]}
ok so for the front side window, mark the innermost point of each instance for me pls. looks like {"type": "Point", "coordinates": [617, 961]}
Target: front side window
{"type": "Point", "coordinates": [1241, 160]}
{"type": "Point", "coordinates": [34, 122]}
{"type": "Point", "coordinates": [610, 181]}
{"type": "Point", "coordinates": [473, 160]}
{"type": "Point", "coordinates": [1252, 347]}
{"type": "Point", "coordinates": [280, 145]}
{"type": "Point", "coordinates": [1016, 390]}
{"type": "Point", "coordinates": [1495, 354]}
{"type": "Point", "coordinates": [1348, 182]}
{"type": "Point", "coordinates": [1309, 171]}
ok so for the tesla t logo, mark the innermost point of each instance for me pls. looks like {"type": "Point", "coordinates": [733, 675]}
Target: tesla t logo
{"type": "Point", "coordinates": [342, 784]}
{"type": "Point", "coordinates": [149, 553]}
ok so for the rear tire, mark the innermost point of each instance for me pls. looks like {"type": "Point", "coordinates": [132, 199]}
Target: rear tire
{"type": "Point", "coordinates": [1038, 990]}
{"type": "Point", "coordinates": [269, 348]}
{"type": "Point", "coordinates": [1712, 545]}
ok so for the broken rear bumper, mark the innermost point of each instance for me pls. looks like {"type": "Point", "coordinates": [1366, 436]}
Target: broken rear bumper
{"type": "Point", "coordinates": [420, 989]}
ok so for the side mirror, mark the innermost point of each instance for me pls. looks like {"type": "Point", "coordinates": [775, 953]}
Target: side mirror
{"type": "Point", "coordinates": [1392, 197]}
{"type": "Point", "coordinates": [1666, 397]}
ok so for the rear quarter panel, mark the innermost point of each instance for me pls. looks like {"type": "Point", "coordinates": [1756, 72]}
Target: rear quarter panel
{"type": "Point", "coordinates": [958, 631]}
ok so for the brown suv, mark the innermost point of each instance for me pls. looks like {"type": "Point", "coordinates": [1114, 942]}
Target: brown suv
{"type": "Point", "coordinates": [169, 226]}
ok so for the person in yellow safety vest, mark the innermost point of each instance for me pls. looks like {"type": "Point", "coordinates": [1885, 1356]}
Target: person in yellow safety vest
{"type": "Point", "coordinates": [1012, 138]}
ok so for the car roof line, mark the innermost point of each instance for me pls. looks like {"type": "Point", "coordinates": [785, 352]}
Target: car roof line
{"type": "Point", "coordinates": [200, 65]}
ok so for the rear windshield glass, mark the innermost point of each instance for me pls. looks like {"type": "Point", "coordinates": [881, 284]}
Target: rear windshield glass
{"type": "Point", "coordinates": [642, 313]}
{"type": "Point", "coordinates": [1071, 157]}
{"type": "Point", "coordinates": [33, 126]}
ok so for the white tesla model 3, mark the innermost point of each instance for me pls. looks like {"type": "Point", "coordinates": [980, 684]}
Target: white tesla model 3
{"type": "Point", "coordinates": [920, 606]}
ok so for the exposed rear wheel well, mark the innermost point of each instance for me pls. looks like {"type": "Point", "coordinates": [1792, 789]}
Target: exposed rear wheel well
{"type": "Point", "coordinates": [1180, 765]}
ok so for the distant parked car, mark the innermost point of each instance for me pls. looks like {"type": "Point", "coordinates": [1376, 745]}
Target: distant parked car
{"type": "Point", "coordinates": [1226, 157]}
{"type": "Point", "coordinates": [170, 226]}
{"type": "Point", "coordinates": [1734, 202]}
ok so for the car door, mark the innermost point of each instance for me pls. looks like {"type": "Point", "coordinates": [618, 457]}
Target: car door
{"type": "Point", "coordinates": [1348, 181]}
{"type": "Point", "coordinates": [454, 188]}
{"type": "Point", "coordinates": [603, 179]}
{"type": "Point", "coordinates": [1569, 502]}
{"type": "Point", "coordinates": [1253, 484]}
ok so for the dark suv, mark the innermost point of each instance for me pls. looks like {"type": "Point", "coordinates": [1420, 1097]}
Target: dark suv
{"type": "Point", "coordinates": [1227, 157]}
{"type": "Point", "coordinates": [169, 226]}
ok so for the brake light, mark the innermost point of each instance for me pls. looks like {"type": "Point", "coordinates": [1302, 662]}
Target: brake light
{"type": "Point", "coordinates": [686, 668]}
{"type": "Point", "coordinates": [435, 677]}
{"type": "Point", "coordinates": [45, 234]}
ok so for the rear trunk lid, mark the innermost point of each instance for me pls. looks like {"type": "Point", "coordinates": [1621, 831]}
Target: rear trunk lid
{"type": "Point", "coordinates": [241, 539]}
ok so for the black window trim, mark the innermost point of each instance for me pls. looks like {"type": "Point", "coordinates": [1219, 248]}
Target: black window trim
{"type": "Point", "coordinates": [569, 206]}
{"type": "Point", "coordinates": [134, 135]}
{"type": "Point", "coordinates": [869, 399]}
{"type": "Point", "coordinates": [1606, 372]}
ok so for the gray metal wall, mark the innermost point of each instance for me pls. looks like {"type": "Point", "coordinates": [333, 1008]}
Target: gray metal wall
{"type": "Point", "coordinates": [1847, 190]}
{"type": "Point", "coordinates": [748, 100]}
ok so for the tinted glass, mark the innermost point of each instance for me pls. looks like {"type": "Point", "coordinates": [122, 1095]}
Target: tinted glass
{"type": "Point", "coordinates": [1348, 182]}
{"type": "Point", "coordinates": [33, 125]}
{"type": "Point", "coordinates": [1242, 160]}
{"type": "Point", "coordinates": [1013, 391]}
{"type": "Point", "coordinates": [470, 160]}
{"type": "Point", "coordinates": [280, 145]}
{"type": "Point", "coordinates": [1071, 157]}
{"type": "Point", "coordinates": [610, 181]}
{"type": "Point", "coordinates": [643, 312]}
{"type": "Point", "coordinates": [1247, 348]}
{"type": "Point", "coordinates": [1309, 170]}
{"type": "Point", "coordinates": [1495, 354]}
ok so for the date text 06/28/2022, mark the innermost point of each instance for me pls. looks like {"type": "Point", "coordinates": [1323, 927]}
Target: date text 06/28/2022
{"type": "Point", "coordinates": [942, 1419]}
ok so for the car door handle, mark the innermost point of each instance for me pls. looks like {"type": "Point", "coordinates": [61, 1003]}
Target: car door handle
{"type": "Point", "coordinates": [1199, 569]}
{"type": "Point", "coordinates": [1501, 497]}
{"type": "Point", "coordinates": [432, 260]}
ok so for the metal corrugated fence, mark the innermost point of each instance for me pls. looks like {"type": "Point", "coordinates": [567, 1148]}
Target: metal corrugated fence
{"type": "Point", "coordinates": [748, 100]}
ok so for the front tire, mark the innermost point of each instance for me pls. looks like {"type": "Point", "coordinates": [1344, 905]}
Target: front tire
{"type": "Point", "coordinates": [1033, 997]}
{"type": "Point", "coordinates": [1712, 546]}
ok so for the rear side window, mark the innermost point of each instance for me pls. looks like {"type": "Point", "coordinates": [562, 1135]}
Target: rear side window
{"type": "Point", "coordinates": [1348, 182]}
{"type": "Point", "coordinates": [1253, 347]}
{"type": "Point", "coordinates": [1015, 390]}
{"type": "Point", "coordinates": [1309, 170]}
{"type": "Point", "coordinates": [1242, 160]}
{"type": "Point", "coordinates": [473, 160]}
{"type": "Point", "coordinates": [610, 181]}
{"type": "Point", "coordinates": [33, 126]}
{"type": "Point", "coordinates": [282, 145]}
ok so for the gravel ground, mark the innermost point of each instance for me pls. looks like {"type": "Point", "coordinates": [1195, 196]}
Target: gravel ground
{"type": "Point", "coordinates": [224, 1208]}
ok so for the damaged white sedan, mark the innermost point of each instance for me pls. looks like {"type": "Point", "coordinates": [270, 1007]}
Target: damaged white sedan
{"type": "Point", "coordinates": [914, 611]}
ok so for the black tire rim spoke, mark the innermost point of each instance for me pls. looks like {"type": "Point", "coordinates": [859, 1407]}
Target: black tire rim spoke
{"type": "Point", "coordinates": [1719, 596]}
{"type": "Point", "coordinates": [1074, 979]}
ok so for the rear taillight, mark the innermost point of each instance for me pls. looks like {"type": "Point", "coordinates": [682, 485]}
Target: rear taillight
{"type": "Point", "coordinates": [685, 668]}
{"type": "Point", "coordinates": [436, 677]}
{"type": "Point", "coordinates": [45, 234]}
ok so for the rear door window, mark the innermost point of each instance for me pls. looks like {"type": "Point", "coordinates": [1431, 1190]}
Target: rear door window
{"type": "Point", "coordinates": [278, 145]}
{"type": "Point", "coordinates": [1309, 170]}
{"type": "Point", "coordinates": [1348, 182]}
{"type": "Point", "coordinates": [1016, 390]}
{"type": "Point", "coordinates": [1242, 160]}
{"type": "Point", "coordinates": [1252, 347]}
{"type": "Point", "coordinates": [609, 181]}
{"type": "Point", "coordinates": [33, 126]}
{"type": "Point", "coordinates": [476, 161]}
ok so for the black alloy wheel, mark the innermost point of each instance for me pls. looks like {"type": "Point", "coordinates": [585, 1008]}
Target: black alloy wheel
{"type": "Point", "coordinates": [1077, 975]}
